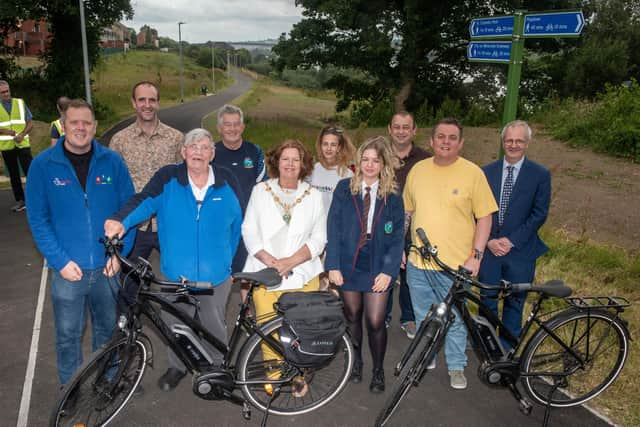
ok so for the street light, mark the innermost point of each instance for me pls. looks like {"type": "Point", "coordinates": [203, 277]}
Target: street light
{"type": "Point", "coordinates": [85, 54]}
{"type": "Point", "coordinates": [181, 66]}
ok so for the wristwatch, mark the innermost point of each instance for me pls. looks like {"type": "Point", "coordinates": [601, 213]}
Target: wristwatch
{"type": "Point", "coordinates": [477, 254]}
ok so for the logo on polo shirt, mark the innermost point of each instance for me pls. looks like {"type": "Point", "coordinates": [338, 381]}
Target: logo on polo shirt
{"type": "Point", "coordinates": [247, 163]}
{"type": "Point", "coordinates": [103, 180]}
{"type": "Point", "coordinates": [61, 182]}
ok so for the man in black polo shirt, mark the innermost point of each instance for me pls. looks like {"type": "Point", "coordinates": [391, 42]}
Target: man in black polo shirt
{"type": "Point", "coordinates": [402, 130]}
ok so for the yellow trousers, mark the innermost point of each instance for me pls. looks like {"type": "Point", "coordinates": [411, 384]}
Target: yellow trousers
{"type": "Point", "coordinates": [264, 300]}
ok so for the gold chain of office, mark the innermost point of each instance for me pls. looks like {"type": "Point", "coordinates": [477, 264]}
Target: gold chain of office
{"type": "Point", "coordinates": [286, 207]}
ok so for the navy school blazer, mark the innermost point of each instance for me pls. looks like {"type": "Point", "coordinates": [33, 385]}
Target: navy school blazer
{"type": "Point", "coordinates": [344, 225]}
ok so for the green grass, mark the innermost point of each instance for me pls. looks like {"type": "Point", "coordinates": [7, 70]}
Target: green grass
{"type": "Point", "coordinates": [115, 75]}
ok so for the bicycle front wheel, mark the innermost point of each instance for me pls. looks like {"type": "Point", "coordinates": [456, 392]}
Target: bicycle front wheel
{"type": "Point", "coordinates": [421, 354]}
{"type": "Point", "coordinates": [102, 386]}
{"type": "Point", "coordinates": [552, 374]}
{"type": "Point", "coordinates": [309, 389]}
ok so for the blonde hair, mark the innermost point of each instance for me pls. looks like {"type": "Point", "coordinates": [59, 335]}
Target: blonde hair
{"type": "Point", "coordinates": [389, 160]}
{"type": "Point", "coordinates": [346, 150]}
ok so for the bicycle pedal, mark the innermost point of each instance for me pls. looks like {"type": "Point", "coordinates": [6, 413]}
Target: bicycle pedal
{"type": "Point", "coordinates": [246, 411]}
{"type": "Point", "coordinates": [525, 406]}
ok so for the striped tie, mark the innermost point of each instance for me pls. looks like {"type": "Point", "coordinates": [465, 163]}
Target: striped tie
{"type": "Point", "coordinates": [366, 204]}
{"type": "Point", "coordinates": [506, 194]}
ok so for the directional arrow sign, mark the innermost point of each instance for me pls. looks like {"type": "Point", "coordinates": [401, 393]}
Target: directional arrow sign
{"type": "Point", "coordinates": [554, 24]}
{"type": "Point", "coordinates": [489, 51]}
{"type": "Point", "coordinates": [493, 27]}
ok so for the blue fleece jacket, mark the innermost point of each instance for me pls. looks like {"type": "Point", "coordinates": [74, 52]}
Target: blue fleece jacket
{"type": "Point", "coordinates": [66, 221]}
{"type": "Point", "coordinates": [198, 240]}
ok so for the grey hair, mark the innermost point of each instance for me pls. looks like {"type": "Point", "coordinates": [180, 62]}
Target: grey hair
{"type": "Point", "coordinates": [516, 123]}
{"type": "Point", "coordinates": [197, 134]}
{"type": "Point", "coordinates": [4, 83]}
{"type": "Point", "coordinates": [229, 109]}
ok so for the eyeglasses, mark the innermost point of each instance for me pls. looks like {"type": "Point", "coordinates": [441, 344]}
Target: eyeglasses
{"type": "Point", "coordinates": [194, 147]}
{"type": "Point", "coordinates": [334, 129]}
{"type": "Point", "coordinates": [519, 142]}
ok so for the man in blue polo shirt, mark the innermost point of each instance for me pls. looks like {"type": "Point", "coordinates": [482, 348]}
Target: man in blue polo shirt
{"type": "Point", "coordinates": [243, 158]}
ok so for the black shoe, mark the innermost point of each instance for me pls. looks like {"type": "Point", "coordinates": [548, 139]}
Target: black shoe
{"type": "Point", "coordinates": [170, 379]}
{"type": "Point", "coordinates": [377, 382]}
{"type": "Point", "coordinates": [356, 372]}
{"type": "Point", "coordinates": [70, 405]}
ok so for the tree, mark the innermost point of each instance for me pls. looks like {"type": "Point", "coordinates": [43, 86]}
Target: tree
{"type": "Point", "coordinates": [412, 50]}
{"type": "Point", "coordinates": [64, 64]}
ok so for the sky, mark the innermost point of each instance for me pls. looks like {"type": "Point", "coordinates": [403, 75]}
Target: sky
{"type": "Point", "coordinates": [218, 20]}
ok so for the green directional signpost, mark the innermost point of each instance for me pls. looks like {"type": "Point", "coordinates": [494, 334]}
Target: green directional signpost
{"type": "Point", "coordinates": [517, 27]}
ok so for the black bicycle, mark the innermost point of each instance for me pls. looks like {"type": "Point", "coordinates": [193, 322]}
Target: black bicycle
{"type": "Point", "coordinates": [575, 353]}
{"type": "Point", "coordinates": [106, 382]}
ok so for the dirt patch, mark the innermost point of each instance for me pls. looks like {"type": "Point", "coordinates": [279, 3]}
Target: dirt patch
{"type": "Point", "coordinates": [593, 196]}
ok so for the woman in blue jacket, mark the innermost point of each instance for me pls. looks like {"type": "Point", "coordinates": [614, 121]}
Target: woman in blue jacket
{"type": "Point", "coordinates": [364, 249]}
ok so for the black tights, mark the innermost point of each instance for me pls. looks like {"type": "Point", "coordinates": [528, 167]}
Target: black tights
{"type": "Point", "coordinates": [374, 308]}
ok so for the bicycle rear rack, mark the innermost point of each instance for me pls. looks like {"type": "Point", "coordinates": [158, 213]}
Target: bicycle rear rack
{"type": "Point", "coordinates": [592, 302]}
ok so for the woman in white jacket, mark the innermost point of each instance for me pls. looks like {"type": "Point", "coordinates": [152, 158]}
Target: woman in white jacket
{"type": "Point", "coordinates": [285, 227]}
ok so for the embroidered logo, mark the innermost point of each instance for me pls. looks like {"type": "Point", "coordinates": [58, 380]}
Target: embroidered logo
{"type": "Point", "coordinates": [247, 163]}
{"type": "Point", "coordinates": [388, 227]}
{"type": "Point", "coordinates": [216, 199]}
{"type": "Point", "coordinates": [61, 182]}
{"type": "Point", "coordinates": [103, 180]}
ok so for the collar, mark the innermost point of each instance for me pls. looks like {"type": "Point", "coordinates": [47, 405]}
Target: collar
{"type": "Point", "coordinates": [211, 180]}
{"type": "Point", "coordinates": [159, 130]}
{"type": "Point", "coordinates": [374, 187]}
{"type": "Point", "coordinates": [516, 166]}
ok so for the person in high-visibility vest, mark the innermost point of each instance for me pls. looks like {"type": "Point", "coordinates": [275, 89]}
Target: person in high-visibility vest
{"type": "Point", "coordinates": [56, 128]}
{"type": "Point", "coordinates": [15, 125]}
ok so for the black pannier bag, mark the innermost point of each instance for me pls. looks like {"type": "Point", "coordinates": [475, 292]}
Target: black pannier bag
{"type": "Point", "coordinates": [312, 327]}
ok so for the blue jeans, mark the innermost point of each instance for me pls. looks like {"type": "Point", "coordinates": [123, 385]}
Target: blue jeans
{"type": "Point", "coordinates": [430, 287]}
{"type": "Point", "coordinates": [406, 308]}
{"type": "Point", "coordinates": [70, 302]}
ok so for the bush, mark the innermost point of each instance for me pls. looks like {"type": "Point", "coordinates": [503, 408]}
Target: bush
{"type": "Point", "coordinates": [263, 68]}
{"type": "Point", "coordinates": [609, 125]}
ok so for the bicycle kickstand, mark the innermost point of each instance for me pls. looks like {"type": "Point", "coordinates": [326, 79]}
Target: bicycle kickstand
{"type": "Point", "coordinates": [547, 410]}
{"type": "Point", "coordinates": [274, 396]}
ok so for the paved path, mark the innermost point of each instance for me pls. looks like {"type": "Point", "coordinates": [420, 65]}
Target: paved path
{"type": "Point", "coordinates": [185, 117]}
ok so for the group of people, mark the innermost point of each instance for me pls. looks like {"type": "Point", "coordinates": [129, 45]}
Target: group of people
{"type": "Point", "coordinates": [214, 208]}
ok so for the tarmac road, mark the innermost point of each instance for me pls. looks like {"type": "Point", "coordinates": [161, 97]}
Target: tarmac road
{"type": "Point", "coordinates": [185, 117]}
{"type": "Point", "coordinates": [433, 403]}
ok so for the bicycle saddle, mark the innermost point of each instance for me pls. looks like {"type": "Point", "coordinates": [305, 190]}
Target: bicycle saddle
{"type": "Point", "coordinates": [268, 277]}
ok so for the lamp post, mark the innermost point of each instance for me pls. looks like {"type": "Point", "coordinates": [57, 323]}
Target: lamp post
{"type": "Point", "coordinates": [85, 54]}
{"type": "Point", "coordinates": [213, 68]}
{"type": "Point", "coordinates": [181, 65]}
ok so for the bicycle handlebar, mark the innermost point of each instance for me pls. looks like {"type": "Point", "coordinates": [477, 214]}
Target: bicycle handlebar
{"type": "Point", "coordinates": [143, 270]}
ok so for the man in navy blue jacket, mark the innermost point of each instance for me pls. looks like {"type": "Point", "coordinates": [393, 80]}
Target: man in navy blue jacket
{"type": "Point", "coordinates": [72, 188]}
{"type": "Point", "coordinates": [522, 189]}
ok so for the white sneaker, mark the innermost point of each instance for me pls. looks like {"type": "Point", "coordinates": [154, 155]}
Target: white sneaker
{"type": "Point", "coordinates": [432, 365]}
{"type": "Point", "coordinates": [457, 379]}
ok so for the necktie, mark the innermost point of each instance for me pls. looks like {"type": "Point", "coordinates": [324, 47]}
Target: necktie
{"type": "Point", "coordinates": [506, 194]}
{"type": "Point", "coordinates": [366, 204]}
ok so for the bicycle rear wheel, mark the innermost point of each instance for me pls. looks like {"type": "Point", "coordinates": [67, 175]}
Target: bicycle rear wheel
{"type": "Point", "coordinates": [102, 386]}
{"type": "Point", "coordinates": [310, 388]}
{"type": "Point", "coordinates": [598, 338]}
{"type": "Point", "coordinates": [421, 354]}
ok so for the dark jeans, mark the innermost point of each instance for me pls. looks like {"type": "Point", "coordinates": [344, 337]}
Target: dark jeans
{"type": "Point", "coordinates": [406, 309]}
{"type": "Point", "coordinates": [146, 241]}
{"type": "Point", "coordinates": [11, 159]}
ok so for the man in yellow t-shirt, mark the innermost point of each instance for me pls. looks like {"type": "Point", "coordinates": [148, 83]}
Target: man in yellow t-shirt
{"type": "Point", "coordinates": [449, 198]}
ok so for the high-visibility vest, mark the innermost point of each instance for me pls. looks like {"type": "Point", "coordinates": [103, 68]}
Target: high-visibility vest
{"type": "Point", "coordinates": [16, 122]}
{"type": "Point", "coordinates": [58, 126]}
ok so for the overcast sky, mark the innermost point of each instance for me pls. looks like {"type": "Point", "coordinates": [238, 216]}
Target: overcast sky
{"type": "Point", "coordinates": [218, 20]}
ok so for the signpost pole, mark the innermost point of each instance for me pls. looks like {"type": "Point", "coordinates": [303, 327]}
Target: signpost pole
{"type": "Point", "coordinates": [515, 71]}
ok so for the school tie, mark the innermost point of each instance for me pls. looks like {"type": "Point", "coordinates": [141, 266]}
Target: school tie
{"type": "Point", "coordinates": [366, 204]}
{"type": "Point", "coordinates": [506, 194]}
